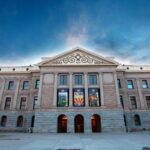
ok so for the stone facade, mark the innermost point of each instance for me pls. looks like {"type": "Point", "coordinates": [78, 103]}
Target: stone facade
{"type": "Point", "coordinates": [119, 106]}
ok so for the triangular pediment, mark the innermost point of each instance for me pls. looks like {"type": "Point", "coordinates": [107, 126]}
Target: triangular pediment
{"type": "Point", "coordinates": [78, 56]}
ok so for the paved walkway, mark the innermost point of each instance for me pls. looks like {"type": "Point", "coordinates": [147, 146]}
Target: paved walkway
{"type": "Point", "coordinates": [100, 141]}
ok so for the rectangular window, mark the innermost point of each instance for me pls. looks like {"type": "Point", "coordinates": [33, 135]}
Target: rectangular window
{"type": "Point", "coordinates": [11, 85]}
{"type": "Point", "coordinates": [144, 84]}
{"type": "Point", "coordinates": [78, 79]}
{"type": "Point", "coordinates": [35, 102]}
{"type": "Point", "coordinates": [25, 85]}
{"type": "Point", "coordinates": [94, 97]}
{"type": "Point", "coordinates": [133, 102]}
{"type": "Point", "coordinates": [23, 103]}
{"type": "Point", "coordinates": [130, 84]}
{"type": "Point", "coordinates": [63, 79]}
{"type": "Point", "coordinates": [121, 101]}
{"type": "Point", "coordinates": [78, 97]}
{"type": "Point", "coordinates": [37, 84]}
{"type": "Point", "coordinates": [148, 101]}
{"type": "Point", "coordinates": [92, 79]}
{"type": "Point", "coordinates": [63, 97]}
{"type": "Point", "coordinates": [7, 103]}
{"type": "Point", "coordinates": [119, 83]}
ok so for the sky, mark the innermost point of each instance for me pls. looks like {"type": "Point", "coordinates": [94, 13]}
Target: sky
{"type": "Point", "coordinates": [31, 29]}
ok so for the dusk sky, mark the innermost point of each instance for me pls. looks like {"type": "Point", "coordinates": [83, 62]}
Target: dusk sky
{"type": "Point", "coordinates": [31, 29]}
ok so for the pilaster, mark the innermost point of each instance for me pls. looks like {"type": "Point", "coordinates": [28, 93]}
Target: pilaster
{"type": "Point", "coordinates": [140, 93]}
{"type": "Point", "coordinates": [55, 90]}
{"type": "Point", "coordinates": [1, 92]}
{"type": "Point", "coordinates": [101, 88]}
{"type": "Point", "coordinates": [117, 90]}
{"type": "Point", "coordinates": [40, 91]}
{"type": "Point", "coordinates": [86, 89]}
{"type": "Point", "coordinates": [70, 90]}
{"type": "Point", "coordinates": [16, 94]}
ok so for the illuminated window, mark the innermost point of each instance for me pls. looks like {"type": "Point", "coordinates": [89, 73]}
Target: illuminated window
{"type": "Point", "coordinates": [144, 84]}
{"type": "Point", "coordinates": [130, 84]}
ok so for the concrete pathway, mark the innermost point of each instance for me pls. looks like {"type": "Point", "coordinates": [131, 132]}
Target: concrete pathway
{"type": "Point", "coordinates": [100, 141]}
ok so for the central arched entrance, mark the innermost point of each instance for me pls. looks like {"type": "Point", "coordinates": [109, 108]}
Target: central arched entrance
{"type": "Point", "coordinates": [96, 123]}
{"type": "Point", "coordinates": [62, 124]}
{"type": "Point", "coordinates": [79, 124]}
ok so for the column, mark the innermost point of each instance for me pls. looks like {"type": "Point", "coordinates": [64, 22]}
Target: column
{"type": "Point", "coordinates": [86, 89]}
{"type": "Point", "coordinates": [16, 94]}
{"type": "Point", "coordinates": [1, 92]}
{"type": "Point", "coordinates": [140, 93]}
{"type": "Point", "coordinates": [55, 90]}
{"type": "Point", "coordinates": [117, 90]}
{"type": "Point", "coordinates": [70, 89]}
{"type": "Point", "coordinates": [101, 88]}
{"type": "Point", "coordinates": [40, 91]}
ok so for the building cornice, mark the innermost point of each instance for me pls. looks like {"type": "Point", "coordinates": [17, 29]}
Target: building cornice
{"type": "Point", "coordinates": [19, 69]}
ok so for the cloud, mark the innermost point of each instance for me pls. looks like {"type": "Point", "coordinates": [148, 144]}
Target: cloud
{"type": "Point", "coordinates": [122, 33]}
{"type": "Point", "coordinates": [75, 38]}
{"type": "Point", "coordinates": [134, 50]}
{"type": "Point", "coordinates": [76, 33]}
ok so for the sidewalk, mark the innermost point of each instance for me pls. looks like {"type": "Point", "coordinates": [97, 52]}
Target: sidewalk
{"type": "Point", "coordinates": [100, 141]}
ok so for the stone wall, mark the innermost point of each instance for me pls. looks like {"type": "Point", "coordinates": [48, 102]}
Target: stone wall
{"type": "Point", "coordinates": [111, 120]}
{"type": "Point", "coordinates": [12, 116]}
{"type": "Point", "coordinates": [144, 119]}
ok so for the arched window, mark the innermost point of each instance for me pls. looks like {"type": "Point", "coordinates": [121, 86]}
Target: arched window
{"type": "Point", "coordinates": [20, 121]}
{"type": "Point", "coordinates": [3, 121]}
{"type": "Point", "coordinates": [137, 120]}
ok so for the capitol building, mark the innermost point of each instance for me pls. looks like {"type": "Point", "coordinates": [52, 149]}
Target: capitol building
{"type": "Point", "coordinates": [77, 91]}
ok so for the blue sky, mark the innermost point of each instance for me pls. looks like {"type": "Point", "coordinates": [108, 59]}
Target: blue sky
{"type": "Point", "coordinates": [31, 29]}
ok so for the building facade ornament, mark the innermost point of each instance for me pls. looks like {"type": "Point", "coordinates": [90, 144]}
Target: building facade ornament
{"type": "Point", "coordinates": [79, 58]}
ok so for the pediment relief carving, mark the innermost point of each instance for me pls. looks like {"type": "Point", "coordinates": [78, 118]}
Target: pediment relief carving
{"type": "Point", "coordinates": [78, 57]}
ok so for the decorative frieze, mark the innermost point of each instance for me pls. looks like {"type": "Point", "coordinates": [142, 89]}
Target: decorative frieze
{"type": "Point", "coordinates": [79, 58]}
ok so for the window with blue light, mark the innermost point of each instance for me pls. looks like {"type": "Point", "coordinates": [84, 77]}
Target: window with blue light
{"type": "Point", "coordinates": [78, 79]}
{"type": "Point", "coordinates": [130, 84]}
{"type": "Point", "coordinates": [144, 84]}
{"type": "Point", "coordinates": [63, 78]}
{"type": "Point", "coordinates": [92, 79]}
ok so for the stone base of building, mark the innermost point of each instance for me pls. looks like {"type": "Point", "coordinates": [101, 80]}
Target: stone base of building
{"type": "Point", "coordinates": [110, 120]}
{"type": "Point", "coordinates": [144, 117]}
{"type": "Point", "coordinates": [11, 121]}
